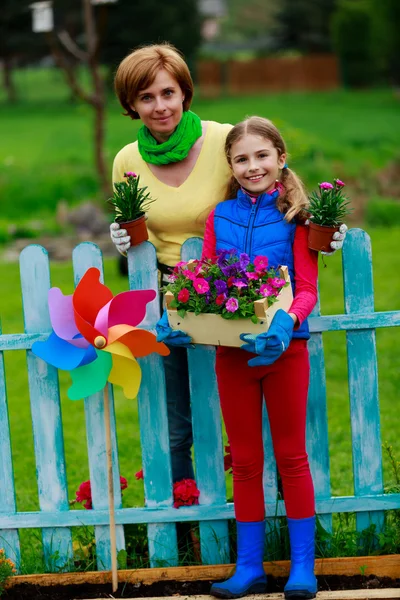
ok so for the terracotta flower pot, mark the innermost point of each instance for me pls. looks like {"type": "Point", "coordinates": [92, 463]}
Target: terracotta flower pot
{"type": "Point", "coordinates": [137, 230]}
{"type": "Point", "coordinates": [320, 237]}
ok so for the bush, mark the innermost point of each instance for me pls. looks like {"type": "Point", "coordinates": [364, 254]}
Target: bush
{"type": "Point", "coordinates": [352, 33]}
{"type": "Point", "coordinates": [383, 212]}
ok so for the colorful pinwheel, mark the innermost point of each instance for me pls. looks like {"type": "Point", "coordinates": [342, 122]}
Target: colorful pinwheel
{"type": "Point", "coordinates": [95, 336]}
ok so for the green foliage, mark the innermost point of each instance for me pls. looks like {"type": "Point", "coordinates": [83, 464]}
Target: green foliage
{"type": "Point", "coordinates": [130, 201]}
{"type": "Point", "coordinates": [354, 48]}
{"type": "Point", "coordinates": [329, 206]}
{"type": "Point", "coordinates": [382, 212]}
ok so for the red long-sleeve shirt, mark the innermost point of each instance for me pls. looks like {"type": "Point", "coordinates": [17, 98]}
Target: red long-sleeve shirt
{"type": "Point", "coordinates": [305, 268]}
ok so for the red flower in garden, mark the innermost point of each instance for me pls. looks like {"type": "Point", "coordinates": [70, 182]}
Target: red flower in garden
{"type": "Point", "coordinates": [183, 295]}
{"type": "Point", "coordinates": [84, 492]}
{"type": "Point", "coordinates": [220, 299]}
{"type": "Point", "coordinates": [139, 474]}
{"type": "Point", "coordinates": [230, 281]}
{"type": "Point", "coordinates": [186, 493]}
{"type": "Point", "coordinates": [228, 459]}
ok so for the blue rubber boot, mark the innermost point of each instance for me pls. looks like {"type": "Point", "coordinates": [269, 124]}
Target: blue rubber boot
{"type": "Point", "coordinates": [302, 582]}
{"type": "Point", "coordinates": [249, 576]}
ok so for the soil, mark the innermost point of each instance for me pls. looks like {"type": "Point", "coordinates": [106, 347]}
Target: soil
{"type": "Point", "coordinates": [176, 588]}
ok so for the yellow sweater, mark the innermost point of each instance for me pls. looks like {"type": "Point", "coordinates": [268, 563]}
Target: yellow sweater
{"type": "Point", "coordinates": [180, 213]}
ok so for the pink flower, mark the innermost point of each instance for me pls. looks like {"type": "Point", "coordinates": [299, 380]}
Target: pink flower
{"type": "Point", "coordinates": [339, 183]}
{"type": "Point", "coordinates": [130, 174]}
{"type": "Point", "coordinates": [232, 305]}
{"type": "Point", "coordinates": [260, 263]}
{"type": "Point", "coordinates": [189, 274]}
{"type": "Point", "coordinates": [201, 285]}
{"type": "Point", "coordinates": [183, 295]}
{"type": "Point", "coordinates": [139, 474]}
{"type": "Point", "coordinates": [325, 185]}
{"type": "Point", "coordinates": [220, 299]}
{"type": "Point", "coordinates": [266, 290]}
{"type": "Point", "coordinates": [277, 282]}
{"type": "Point", "coordinates": [186, 493]}
{"type": "Point", "coordinates": [252, 275]}
{"type": "Point", "coordinates": [238, 283]}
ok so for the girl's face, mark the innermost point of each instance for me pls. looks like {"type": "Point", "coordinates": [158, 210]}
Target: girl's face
{"type": "Point", "coordinates": [160, 106]}
{"type": "Point", "coordinates": [255, 163]}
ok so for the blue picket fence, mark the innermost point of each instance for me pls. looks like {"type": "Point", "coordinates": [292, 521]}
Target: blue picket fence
{"type": "Point", "coordinates": [56, 519]}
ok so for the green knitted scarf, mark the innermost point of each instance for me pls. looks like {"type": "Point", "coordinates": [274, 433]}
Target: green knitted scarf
{"type": "Point", "coordinates": [177, 147]}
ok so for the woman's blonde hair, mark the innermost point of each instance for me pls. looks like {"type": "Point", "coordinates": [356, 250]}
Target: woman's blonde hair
{"type": "Point", "coordinates": [293, 200]}
{"type": "Point", "coordinates": [139, 69]}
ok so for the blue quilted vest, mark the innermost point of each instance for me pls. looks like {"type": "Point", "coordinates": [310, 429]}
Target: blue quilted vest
{"type": "Point", "coordinates": [256, 229]}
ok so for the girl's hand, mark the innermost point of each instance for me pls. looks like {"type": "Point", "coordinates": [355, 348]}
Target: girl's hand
{"type": "Point", "coordinates": [338, 239]}
{"type": "Point", "coordinates": [171, 337]}
{"type": "Point", "coordinates": [120, 238]}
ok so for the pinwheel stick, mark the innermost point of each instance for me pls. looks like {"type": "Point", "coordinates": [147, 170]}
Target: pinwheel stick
{"type": "Point", "coordinates": [113, 541]}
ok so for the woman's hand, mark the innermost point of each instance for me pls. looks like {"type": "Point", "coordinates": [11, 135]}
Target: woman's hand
{"type": "Point", "coordinates": [120, 238]}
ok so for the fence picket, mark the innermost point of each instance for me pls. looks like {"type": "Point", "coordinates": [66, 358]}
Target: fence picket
{"type": "Point", "coordinates": [317, 422]}
{"type": "Point", "coordinates": [9, 539]}
{"type": "Point", "coordinates": [207, 438]}
{"type": "Point", "coordinates": [153, 419]}
{"type": "Point", "coordinates": [363, 375]}
{"type": "Point", "coordinates": [84, 256]}
{"type": "Point", "coordinates": [45, 409]}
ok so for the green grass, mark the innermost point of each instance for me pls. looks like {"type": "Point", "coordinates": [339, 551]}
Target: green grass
{"type": "Point", "coordinates": [46, 150]}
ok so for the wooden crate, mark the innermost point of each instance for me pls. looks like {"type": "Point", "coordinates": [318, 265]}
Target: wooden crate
{"type": "Point", "coordinates": [214, 330]}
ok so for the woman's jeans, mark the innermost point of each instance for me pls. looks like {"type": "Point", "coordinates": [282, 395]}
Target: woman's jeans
{"type": "Point", "coordinates": [179, 413]}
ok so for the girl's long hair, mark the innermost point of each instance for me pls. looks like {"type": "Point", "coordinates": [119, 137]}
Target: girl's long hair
{"type": "Point", "coordinates": [293, 201]}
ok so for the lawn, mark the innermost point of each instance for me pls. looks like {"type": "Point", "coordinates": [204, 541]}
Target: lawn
{"type": "Point", "coordinates": [46, 153]}
{"type": "Point", "coordinates": [46, 156]}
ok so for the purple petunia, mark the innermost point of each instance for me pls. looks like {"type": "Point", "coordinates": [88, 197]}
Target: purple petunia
{"type": "Point", "coordinates": [220, 286]}
{"type": "Point", "coordinates": [244, 260]}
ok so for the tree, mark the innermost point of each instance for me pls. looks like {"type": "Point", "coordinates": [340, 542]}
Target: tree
{"type": "Point", "coordinates": [17, 42]}
{"type": "Point", "coordinates": [386, 23]}
{"type": "Point", "coordinates": [305, 25]}
{"type": "Point", "coordinates": [151, 21]}
{"type": "Point", "coordinates": [355, 51]}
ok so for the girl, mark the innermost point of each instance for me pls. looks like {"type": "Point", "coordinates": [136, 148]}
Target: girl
{"type": "Point", "coordinates": [266, 217]}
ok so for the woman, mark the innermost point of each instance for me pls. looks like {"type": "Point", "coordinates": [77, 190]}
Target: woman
{"type": "Point", "coordinates": [182, 161]}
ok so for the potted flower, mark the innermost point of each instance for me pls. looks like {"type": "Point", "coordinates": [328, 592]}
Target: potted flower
{"type": "Point", "coordinates": [328, 206]}
{"type": "Point", "coordinates": [130, 202]}
{"type": "Point", "coordinates": [215, 300]}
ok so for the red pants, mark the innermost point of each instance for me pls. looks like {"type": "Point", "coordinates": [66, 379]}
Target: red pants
{"type": "Point", "coordinates": [285, 387]}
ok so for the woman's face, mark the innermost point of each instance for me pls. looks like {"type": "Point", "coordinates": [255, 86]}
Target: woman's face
{"type": "Point", "coordinates": [160, 105]}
